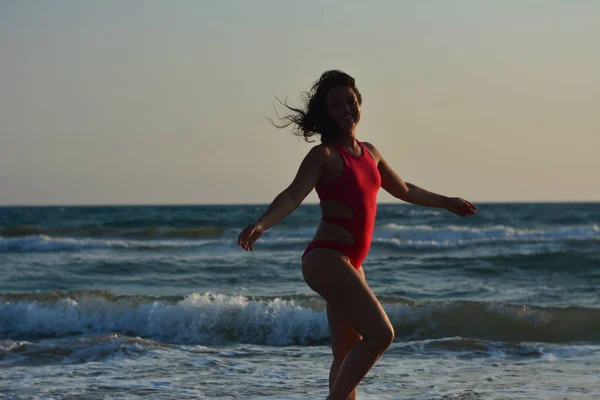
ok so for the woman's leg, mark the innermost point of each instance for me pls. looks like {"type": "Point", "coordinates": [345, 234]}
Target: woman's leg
{"type": "Point", "coordinates": [343, 338]}
{"type": "Point", "coordinates": [331, 275]}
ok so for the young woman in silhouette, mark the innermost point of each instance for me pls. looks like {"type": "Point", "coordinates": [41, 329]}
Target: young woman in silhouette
{"type": "Point", "coordinates": [346, 174]}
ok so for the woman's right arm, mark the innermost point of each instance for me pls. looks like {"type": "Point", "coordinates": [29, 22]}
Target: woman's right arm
{"type": "Point", "coordinates": [288, 200]}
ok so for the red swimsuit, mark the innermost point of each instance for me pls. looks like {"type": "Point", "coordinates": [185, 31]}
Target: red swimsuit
{"type": "Point", "coordinates": [356, 188]}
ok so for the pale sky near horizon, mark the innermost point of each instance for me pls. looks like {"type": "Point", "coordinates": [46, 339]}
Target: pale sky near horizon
{"type": "Point", "coordinates": [155, 102]}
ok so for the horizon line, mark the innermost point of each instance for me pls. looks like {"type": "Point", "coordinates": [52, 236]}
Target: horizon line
{"type": "Point", "coordinates": [402, 203]}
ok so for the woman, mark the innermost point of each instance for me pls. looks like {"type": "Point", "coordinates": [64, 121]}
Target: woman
{"type": "Point", "coordinates": [346, 174]}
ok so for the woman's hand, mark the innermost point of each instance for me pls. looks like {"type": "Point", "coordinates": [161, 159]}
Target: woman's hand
{"type": "Point", "coordinates": [460, 207]}
{"type": "Point", "coordinates": [249, 235]}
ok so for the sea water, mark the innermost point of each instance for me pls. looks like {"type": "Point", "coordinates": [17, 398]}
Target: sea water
{"type": "Point", "coordinates": [159, 302]}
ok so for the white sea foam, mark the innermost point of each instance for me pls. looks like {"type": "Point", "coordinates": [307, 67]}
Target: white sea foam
{"type": "Point", "coordinates": [451, 235]}
{"type": "Point", "coordinates": [218, 318]}
{"type": "Point", "coordinates": [394, 234]}
{"type": "Point", "coordinates": [46, 243]}
{"type": "Point", "coordinates": [198, 318]}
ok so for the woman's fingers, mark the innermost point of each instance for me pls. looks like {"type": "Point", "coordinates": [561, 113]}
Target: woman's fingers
{"type": "Point", "coordinates": [471, 205]}
{"type": "Point", "coordinates": [467, 207]}
{"type": "Point", "coordinates": [249, 240]}
{"type": "Point", "coordinates": [472, 208]}
{"type": "Point", "coordinates": [244, 236]}
{"type": "Point", "coordinates": [248, 236]}
{"type": "Point", "coordinates": [463, 208]}
{"type": "Point", "coordinates": [253, 237]}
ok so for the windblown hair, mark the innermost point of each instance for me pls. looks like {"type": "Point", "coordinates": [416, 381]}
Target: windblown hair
{"type": "Point", "coordinates": [313, 119]}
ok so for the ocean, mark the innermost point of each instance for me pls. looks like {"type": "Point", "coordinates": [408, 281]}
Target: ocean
{"type": "Point", "coordinates": [159, 302]}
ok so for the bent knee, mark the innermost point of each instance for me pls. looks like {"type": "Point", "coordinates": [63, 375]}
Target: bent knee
{"type": "Point", "coordinates": [383, 337]}
{"type": "Point", "coordinates": [386, 336]}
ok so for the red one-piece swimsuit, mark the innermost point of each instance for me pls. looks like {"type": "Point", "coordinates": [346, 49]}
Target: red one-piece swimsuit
{"type": "Point", "coordinates": [357, 189]}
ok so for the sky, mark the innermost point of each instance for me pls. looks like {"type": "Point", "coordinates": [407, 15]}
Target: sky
{"type": "Point", "coordinates": [156, 102]}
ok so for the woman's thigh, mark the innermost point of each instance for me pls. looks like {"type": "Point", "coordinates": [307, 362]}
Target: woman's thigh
{"type": "Point", "coordinates": [343, 335]}
{"type": "Point", "coordinates": [330, 274]}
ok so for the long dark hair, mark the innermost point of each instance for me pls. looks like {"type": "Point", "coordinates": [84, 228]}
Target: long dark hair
{"type": "Point", "coordinates": [313, 119]}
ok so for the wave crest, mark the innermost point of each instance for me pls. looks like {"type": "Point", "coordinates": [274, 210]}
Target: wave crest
{"type": "Point", "coordinates": [216, 318]}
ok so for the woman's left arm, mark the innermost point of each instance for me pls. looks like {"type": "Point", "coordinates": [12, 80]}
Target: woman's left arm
{"type": "Point", "coordinates": [395, 185]}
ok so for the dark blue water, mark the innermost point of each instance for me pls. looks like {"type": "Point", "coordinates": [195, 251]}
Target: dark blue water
{"type": "Point", "coordinates": [105, 287]}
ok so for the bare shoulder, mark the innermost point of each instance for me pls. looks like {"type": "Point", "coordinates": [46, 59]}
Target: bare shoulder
{"type": "Point", "coordinates": [373, 150]}
{"type": "Point", "coordinates": [320, 153]}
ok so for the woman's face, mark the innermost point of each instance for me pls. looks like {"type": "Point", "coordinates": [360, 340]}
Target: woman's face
{"type": "Point", "coordinates": [342, 105]}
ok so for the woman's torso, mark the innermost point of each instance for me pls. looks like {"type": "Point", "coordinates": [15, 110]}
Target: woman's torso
{"type": "Point", "coordinates": [347, 189]}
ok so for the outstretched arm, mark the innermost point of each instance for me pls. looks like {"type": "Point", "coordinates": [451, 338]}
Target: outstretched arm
{"type": "Point", "coordinates": [395, 185]}
{"type": "Point", "coordinates": [288, 200]}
